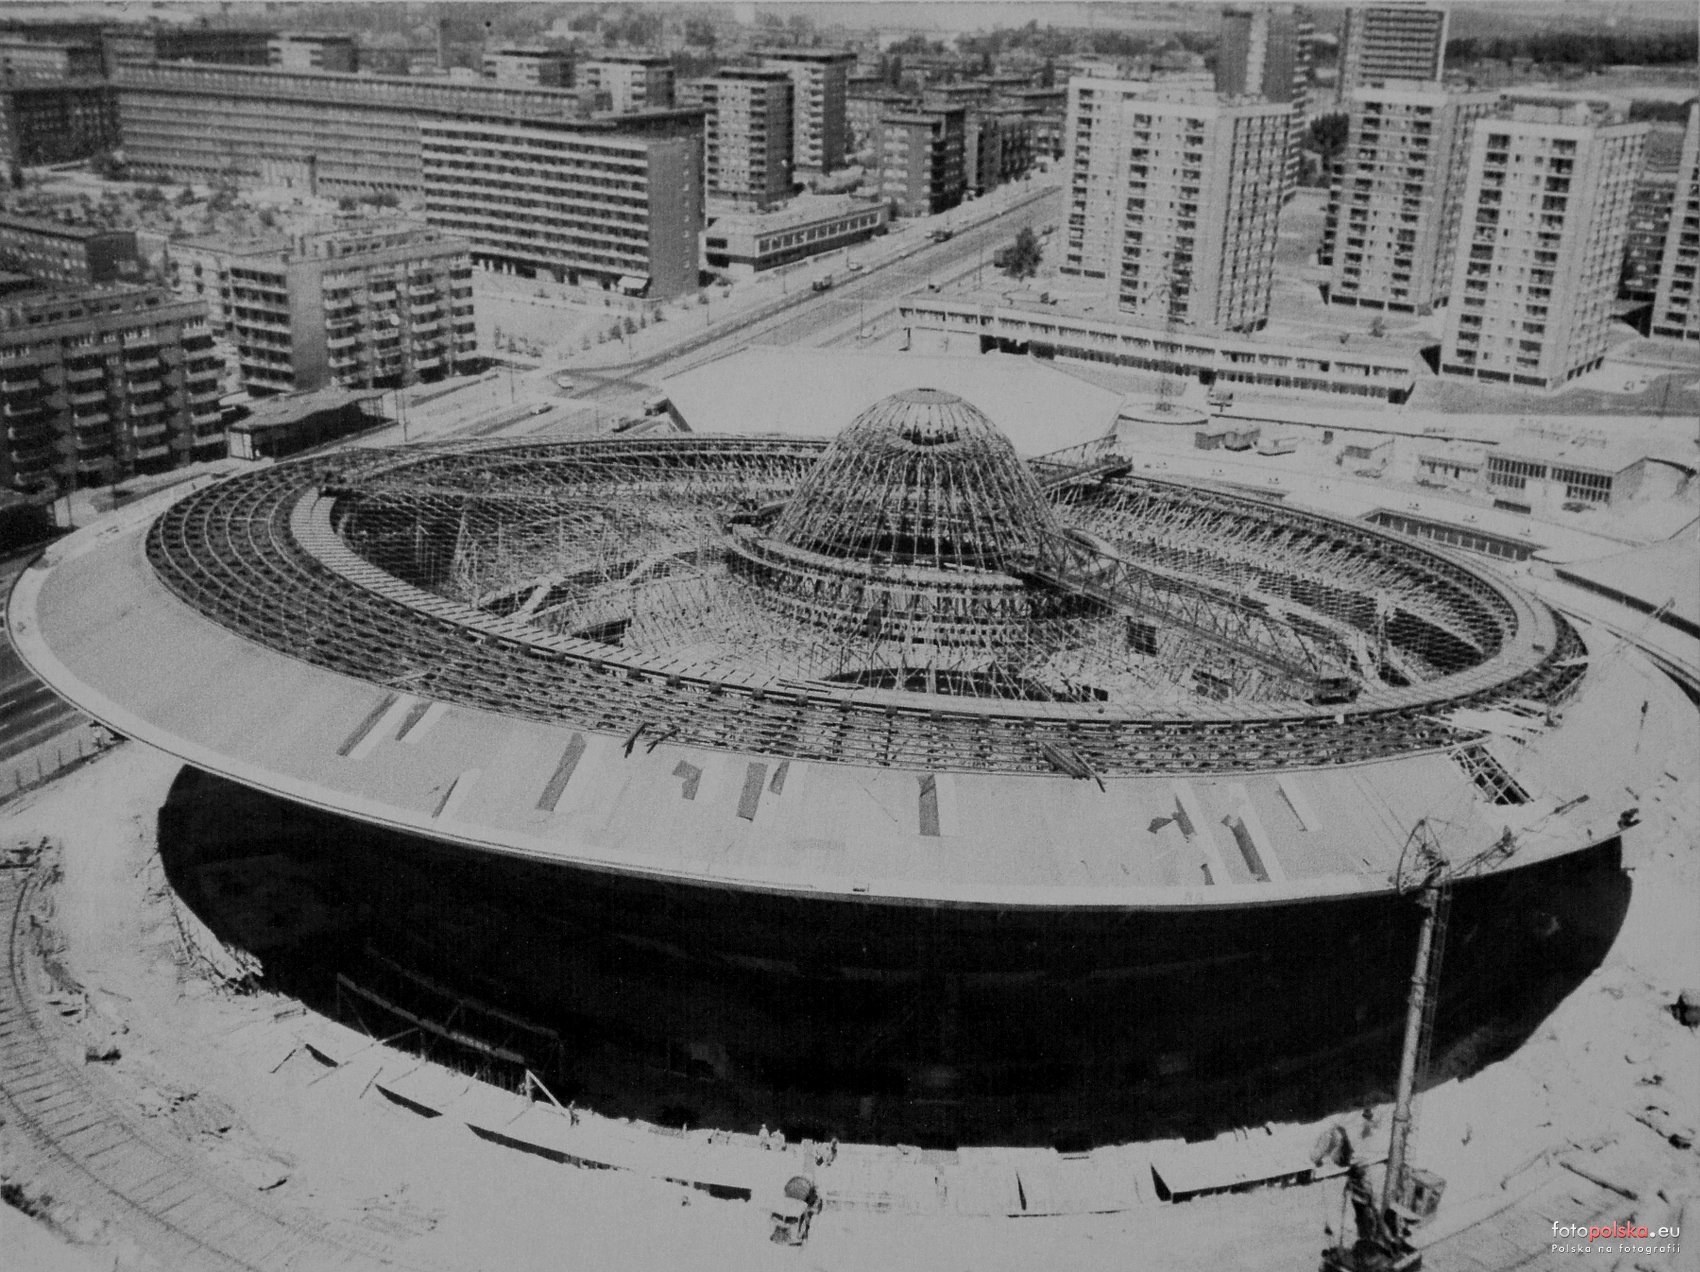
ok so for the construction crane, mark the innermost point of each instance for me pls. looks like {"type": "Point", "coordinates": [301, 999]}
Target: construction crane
{"type": "Point", "coordinates": [1408, 1195]}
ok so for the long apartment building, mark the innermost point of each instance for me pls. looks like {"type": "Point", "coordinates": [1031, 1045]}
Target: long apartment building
{"type": "Point", "coordinates": [318, 130]}
{"type": "Point", "coordinates": [1391, 231]}
{"type": "Point", "coordinates": [633, 81]}
{"type": "Point", "coordinates": [822, 79]}
{"type": "Point", "coordinates": [1676, 301]}
{"type": "Point", "coordinates": [747, 148]}
{"type": "Point", "coordinates": [1173, 201]}
{"type": "Point", "coordinates": [922, 159]}
{"type": "Point", "coordinates": [362, 307]}
{"type": "Point", "coordinates": [1391, 42]}
{"type": "Point", "coordinates": [1265, 50]}
{"type": "Point", "coordinates": [587, 202]}
{"type": "Point", "coordinates": [100, 384]}
{"type": "Point", "coordinates": [1546, 212]}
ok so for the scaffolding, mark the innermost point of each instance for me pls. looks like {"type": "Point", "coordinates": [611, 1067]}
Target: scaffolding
{"type": "Point", "coordinates": [911, 593]}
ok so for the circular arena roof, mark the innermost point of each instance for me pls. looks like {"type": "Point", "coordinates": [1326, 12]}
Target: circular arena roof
{"type": "Point", "coordinates": [911, 594]}
{"type": "Point", "coordinates": [852, 671]}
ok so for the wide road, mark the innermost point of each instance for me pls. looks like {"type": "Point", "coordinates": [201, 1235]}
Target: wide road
{"type": "Point", "coordinates": [503, 404]}
{"type": "Point", "coordinates": [869, 297]}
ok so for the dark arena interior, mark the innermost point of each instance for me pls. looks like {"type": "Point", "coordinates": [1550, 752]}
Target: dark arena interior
{"type": "Point", "coordinates": [896, 1025]}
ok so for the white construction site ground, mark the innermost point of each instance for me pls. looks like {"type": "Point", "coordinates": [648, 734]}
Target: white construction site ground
{"type": "Point", "coordinates": [223, 1077]}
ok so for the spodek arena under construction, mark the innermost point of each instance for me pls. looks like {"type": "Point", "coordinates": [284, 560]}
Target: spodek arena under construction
{"type": "Point", "coordinates": [896, 787]}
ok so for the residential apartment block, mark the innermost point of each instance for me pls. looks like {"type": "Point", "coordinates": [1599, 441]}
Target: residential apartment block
{"type": "Point", "coordinates": [1391, 42]}
{"type": "Point", "coordinates": [818, 130]}
{"type": "Point", "coordinates": [56, 121]}
{"type": "Point", "coordinates": [1395, 209]}
{"type": "Point", "coordinates": [863, 110]}
{"type": "Point", "coordinates": [223, 46]}
{"type": "Point", "coordinates": [316, 130]}
{"type": "Point", "coordinates": [547, 68]}
{"type": "Point", "coordinates": [614, 201]}
{"type": "Point", "coordinates": [1173, 201]}
{"type": "Point", "coordinates": [368, 306]}
{"type": "Point", "coordinates": [99, 384]}
{"type": "Point", "coordinates": [1650, 213]}
{"type": "Point", "coordinates": [997, 147]}
{"type": "Point", "coordinates": [1546, 211]}
{"type": "Point", "coordinates": [299, 51]}
{"type": "Point", "coordinates": [26, 57]}
{"type": "Point", "coordinates": [1265, 51]}
{"type": "Point", "coordinates": [921, 163]}
{"type": "Point", "coordinates": [633, 81]}
{"type": "Point", "coordinates": [1676, 303]}
{"type": "Point", "coordinates": [747, 152]}
{"type": "Point", "coordinates": [67, 255]}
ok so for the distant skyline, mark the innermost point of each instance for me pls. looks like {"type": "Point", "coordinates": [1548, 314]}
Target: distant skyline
{"type": "Point", "coordinates": [949, 18]}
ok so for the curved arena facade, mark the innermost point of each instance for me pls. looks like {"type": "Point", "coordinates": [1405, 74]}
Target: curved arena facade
{"type": "Point", "coordinates": [896, 787]}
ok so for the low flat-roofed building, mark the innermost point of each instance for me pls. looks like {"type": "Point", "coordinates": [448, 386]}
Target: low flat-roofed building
{"type": "Point", "coordinates": [743, 243]}
{"type": "Point", "coordinates": [98, 384]}
{"type": "Point", "coordinates": [940, 324]}
{"type": "Point", "coordinates": [382, 304]}
{"type": "Point", "coordinates": [72, 255]}
{"type": "Point", "coordinates": [294, 422]}
{"type": "Point", "coordinates": [1551, 469]}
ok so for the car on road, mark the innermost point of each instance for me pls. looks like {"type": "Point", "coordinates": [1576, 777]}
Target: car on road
{"type": "Point", "coordinates": [943, 235]}
{"type": "Point", "coordinates": [855, 267]}
{"type": "Point", "coordinates": [543, 408]}
{"type": "Point", "coordinates": [823, 283]}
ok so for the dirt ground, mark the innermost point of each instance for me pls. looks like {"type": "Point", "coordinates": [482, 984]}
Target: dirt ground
{"type": "Point", "coordinates": [221, 1071]}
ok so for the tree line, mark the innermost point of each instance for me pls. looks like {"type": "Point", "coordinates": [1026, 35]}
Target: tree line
{"type": "Point", "coordinates": [1576, 48]}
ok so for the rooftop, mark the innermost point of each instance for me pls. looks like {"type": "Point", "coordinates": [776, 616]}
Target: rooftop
{"type": "Point", "coordinates": [58, 229]}
{"type": "Point", "coordinates": [1038, 408]}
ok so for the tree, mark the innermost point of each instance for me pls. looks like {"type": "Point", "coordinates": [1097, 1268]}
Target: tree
{"type": "Point", "coordinates": [700, 32]}
{"type": "Point", "coordinates": [1021, 259]}
{"type": "Point", "coordinates": [1327, 136]}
